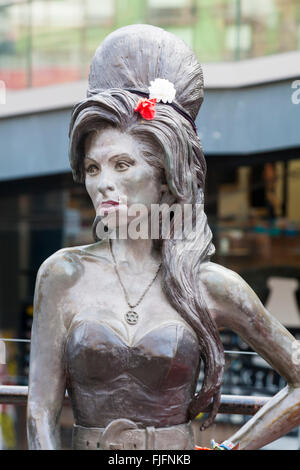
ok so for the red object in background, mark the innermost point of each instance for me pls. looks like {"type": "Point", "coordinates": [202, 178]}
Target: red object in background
{"type": "Point", "coordinates": [146, 108]}
{"type": "Point", "coordinates": [16, 79]}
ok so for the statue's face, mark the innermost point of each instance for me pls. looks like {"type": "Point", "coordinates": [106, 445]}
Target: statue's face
{"type": "Point", "coordinates": [117, 175]}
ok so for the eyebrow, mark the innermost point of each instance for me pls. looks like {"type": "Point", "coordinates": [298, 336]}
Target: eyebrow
{"type": "Point", "coordinates": [119, 155]}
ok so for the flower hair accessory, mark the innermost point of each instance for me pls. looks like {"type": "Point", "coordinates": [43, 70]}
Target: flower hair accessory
{"type": "Point", "coordinates": [162, 90]}
{"type": "Point", "coordinates": [159, 90]}
{"type": "Point", "coordinates": [146, 108]}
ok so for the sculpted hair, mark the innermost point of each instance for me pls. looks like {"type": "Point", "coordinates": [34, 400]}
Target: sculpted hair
{"type": "Point", "coordinates": [169, 144]}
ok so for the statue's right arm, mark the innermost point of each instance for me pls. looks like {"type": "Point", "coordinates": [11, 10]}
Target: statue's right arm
{"type": "Point", "coordinates": [47, 381]}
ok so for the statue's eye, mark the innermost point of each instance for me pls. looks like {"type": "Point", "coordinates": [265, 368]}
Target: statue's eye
{"type": "Point", "coordinates": [91, 169]}
{"type": "Point", "coordinates": [122, 165]}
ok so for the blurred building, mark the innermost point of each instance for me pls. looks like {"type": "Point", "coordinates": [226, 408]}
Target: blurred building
{"type": "Point", "coordinates": [248, 124]}
{"type": "Point", "coordinates": [51, 41]}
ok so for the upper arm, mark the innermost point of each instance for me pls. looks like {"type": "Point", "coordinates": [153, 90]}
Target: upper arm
{"type": "Point", "coordinates": [47, 379]}
{"type": "Point", "coordinates": [237, 307]}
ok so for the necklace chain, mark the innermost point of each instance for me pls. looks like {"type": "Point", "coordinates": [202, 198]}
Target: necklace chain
{"type": "Point", "coordinates": [122, 285]}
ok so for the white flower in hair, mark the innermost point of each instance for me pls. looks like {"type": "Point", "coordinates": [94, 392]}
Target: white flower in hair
{"type": "Point", "coordinates": [162, 90]}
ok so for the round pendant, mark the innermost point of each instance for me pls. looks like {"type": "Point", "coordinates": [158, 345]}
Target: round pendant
{"type": "Point", "coordinates": [131, 317]}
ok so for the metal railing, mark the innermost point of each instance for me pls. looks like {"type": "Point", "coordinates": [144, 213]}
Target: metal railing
{"type": "Point", "coordinates": [230, 404]}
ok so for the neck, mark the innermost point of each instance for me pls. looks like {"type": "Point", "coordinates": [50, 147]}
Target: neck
{"type": "Point", "coordinates": [136, 254]}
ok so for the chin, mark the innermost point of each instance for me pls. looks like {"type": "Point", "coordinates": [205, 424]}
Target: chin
{"type": "Point", "coordinates": [112, 220]}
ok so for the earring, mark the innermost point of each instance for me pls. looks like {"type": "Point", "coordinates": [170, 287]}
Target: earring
{"type": "Point", "coordinates": [95, 223]}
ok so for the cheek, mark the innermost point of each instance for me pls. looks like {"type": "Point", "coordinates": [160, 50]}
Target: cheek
{"type": "Point", "coordinates": [153, 192]}
{"type": "Point", "coordinates": [142, 187]}
{"type": "Point", "coordinates": [91, 189]}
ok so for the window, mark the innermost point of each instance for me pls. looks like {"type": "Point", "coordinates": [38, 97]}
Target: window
{"type": "Point", "coordinates": [171, 12]}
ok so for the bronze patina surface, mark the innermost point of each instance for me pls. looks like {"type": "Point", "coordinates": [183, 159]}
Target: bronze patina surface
{"type": "Point", "coordinates": [135, 383]}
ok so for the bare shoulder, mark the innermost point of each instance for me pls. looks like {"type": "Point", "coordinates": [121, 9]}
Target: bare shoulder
{"type": "Point", "coordinates": [226, 291]}
{"type": "Point", "coordinates": [215, 275]}
{"type": "Point", "coordinates": [64, 267]}
{"type": "Point", "coordinates": [52, 309]}
{"type": "Point", "coordinates": [221, 281]}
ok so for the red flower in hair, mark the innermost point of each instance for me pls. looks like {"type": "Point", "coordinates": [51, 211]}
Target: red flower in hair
{"type": "Point", "coordinates": [146, 108]}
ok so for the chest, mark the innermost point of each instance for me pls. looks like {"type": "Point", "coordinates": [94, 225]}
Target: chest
{"type": "Point", "coordinates": [167, 356]}
{"type": "Point", "coordinates": [99, 296]}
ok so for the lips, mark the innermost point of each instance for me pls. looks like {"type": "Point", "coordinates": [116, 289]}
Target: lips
{"type": "Point", "coordinates": [108, 206]}
{"type": "Point", "coordinates": [109, 203]}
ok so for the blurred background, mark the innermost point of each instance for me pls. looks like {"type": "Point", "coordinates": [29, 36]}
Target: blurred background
{"type": "Point", "coordinates": [249, 125]}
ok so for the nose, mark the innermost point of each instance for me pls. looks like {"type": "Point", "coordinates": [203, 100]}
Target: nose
{"type": "Point", "coordinates": [105, 183]}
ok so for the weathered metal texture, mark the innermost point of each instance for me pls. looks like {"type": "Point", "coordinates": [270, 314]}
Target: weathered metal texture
{"type": "Point", "coordinates": [146, 373]}
{"type": "Point", "coordinates": [242, 405]}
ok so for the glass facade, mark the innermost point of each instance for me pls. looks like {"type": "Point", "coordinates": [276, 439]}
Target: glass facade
{"type": "Point", "coordinates": [44, 42]}
{"type": "Point", "coordinates": [258, 214]}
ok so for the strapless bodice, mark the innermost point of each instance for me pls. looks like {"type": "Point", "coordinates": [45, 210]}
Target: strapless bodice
{"type": "Point", "coordinates": [150, 382]}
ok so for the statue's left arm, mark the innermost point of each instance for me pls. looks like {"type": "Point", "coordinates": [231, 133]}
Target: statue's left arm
{"type": "Point", "coordinates": [234, 305]}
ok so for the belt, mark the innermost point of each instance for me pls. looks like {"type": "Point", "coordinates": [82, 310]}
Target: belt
{"type": "Point", "coordinates": [124, 434]}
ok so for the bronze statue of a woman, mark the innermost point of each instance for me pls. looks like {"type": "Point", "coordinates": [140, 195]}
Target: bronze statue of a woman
{"type": "Point", "coordinates": [124, 324]}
